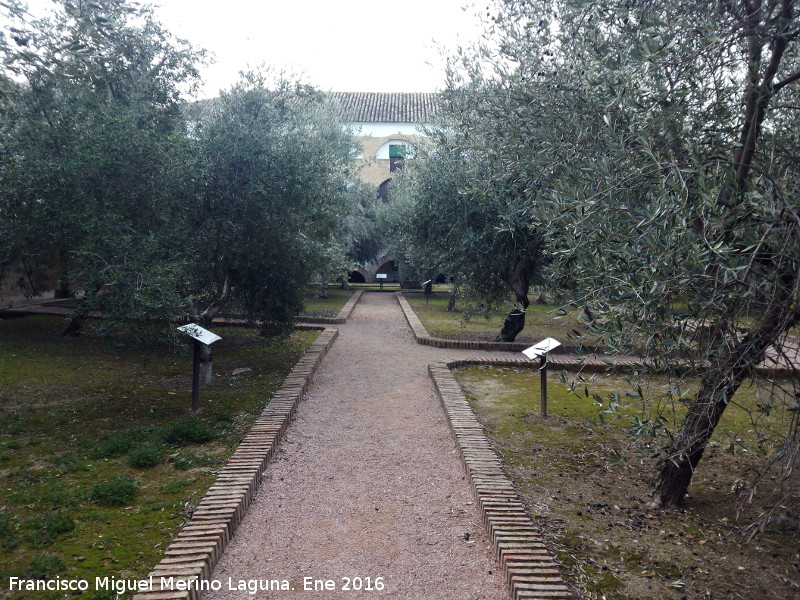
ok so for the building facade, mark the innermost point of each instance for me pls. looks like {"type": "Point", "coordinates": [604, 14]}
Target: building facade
{"type": "Point", "coordinates": [388, 126]}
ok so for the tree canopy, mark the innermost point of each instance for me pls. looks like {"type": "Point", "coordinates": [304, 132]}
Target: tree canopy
{"type": "Point", "coordinates": [91, 139]}
{"type": "Point", "coordinates": [652, 148]}
{"type": "Point", "coordinates": [451, 216]}
{"type": "Point", "coordinates": [151, 210]}
{"type": "Point", "coordinates": [271, 194]}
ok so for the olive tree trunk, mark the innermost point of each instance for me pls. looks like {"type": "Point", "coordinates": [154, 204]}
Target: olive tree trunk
{"type": "Point", "coordinates": [519, 282]}
{"type": "Point", "coordinates": [732, 361]}
{"type": "Point", "coordinates": [731, 364]}
{"type": "Point", "coordinates": [451, 302]}
{"type": "Point", "coordinates": [79, 315]}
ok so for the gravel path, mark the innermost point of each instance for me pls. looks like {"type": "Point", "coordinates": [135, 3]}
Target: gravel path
{"type": "Point", "coordinates": [367, 482]}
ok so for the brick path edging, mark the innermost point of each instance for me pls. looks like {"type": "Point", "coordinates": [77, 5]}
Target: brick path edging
{"type": "Point", "coordinates": [422, 336]}
{"type": "Point", "coordinates": [530, 569]}
{"type": "Point", "coordinates": [193, 554]}
{"type": "Point", "coordinates": [342, 316]}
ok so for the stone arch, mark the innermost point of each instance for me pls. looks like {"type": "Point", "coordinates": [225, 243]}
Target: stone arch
{"type": "Point", "coordinates": [357, 275]}
{"type": "Point", "coordinates": [387, 265]}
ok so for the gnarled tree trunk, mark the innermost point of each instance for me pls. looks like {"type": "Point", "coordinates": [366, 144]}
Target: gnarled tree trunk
{"type": "Point", "coordinates": [732, 362]}
{"type": "Point", "coordinates": [206, 365]}
{"type": "Point", "coordinates": [451, 302]}
{"type": "Point", "coordinates": [731, 365]}
{"type": "Point", "coordinates": [63, 290]}
{"type": "Point", "coordinates": [512, 326]}
{"type": "Point", "coordinates": [79, 315]}
{"type": "Point", "coordinates": [518, 280]}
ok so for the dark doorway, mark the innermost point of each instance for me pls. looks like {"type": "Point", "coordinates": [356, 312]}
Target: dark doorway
{"type": "Point", "coordinates": [389, 268]}
{"type": "Point", "coordinates": [356, 277]}
{"type": "Point", "coordinates": [383, 191]}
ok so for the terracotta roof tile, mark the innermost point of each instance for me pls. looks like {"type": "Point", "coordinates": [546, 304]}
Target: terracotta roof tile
{"type": "Point", "coordinates": [373, 107]}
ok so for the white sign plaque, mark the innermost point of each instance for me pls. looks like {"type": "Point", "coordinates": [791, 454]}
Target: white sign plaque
{"type": "Point", "coordinates": [204, 336]}
{"type": "Point", "coordinates": [541, 348]}
{"type": "Point", "coordinates": [381, 276]}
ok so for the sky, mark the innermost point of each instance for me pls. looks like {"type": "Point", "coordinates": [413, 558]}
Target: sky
{"type": "Point", "coordinates": [336, 45]}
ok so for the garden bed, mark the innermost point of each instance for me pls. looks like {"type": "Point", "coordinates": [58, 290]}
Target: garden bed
{"type": "Point", "coordinates": [589, 489]}
{"type": "Point", "coordinates": [541, 321]}
{"type": "Point", "coordinates": [325, 307]}
{"type": "Point", "coordinates": [100, 462]}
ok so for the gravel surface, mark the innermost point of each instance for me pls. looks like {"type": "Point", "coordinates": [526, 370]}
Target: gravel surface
{"type": "Point", "coordinates": [367, 483]}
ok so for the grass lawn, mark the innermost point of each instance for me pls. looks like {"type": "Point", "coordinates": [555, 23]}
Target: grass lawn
{"type": "Point", "coordinates": [589, 486]}
{"type": "Point", "coordinates": [541, 321]}
{"type": "Point", "coordinates": [325, 307]}
{"type": "Point", "coordinates": [100, 462]}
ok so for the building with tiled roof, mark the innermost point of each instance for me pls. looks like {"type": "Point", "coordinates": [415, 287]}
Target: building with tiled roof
{"type": "Point", "coordinates": [372, 107]}
{"type": "Point", "coordinates": [389, 126]}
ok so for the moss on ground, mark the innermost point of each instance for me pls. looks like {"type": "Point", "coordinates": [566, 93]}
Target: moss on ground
{"type": "Point", "coordinates": [325, 307]}
{"type": "Point", "coordinates": [588, 484]}
{"type": "Point", "coordinates": [100, 462]}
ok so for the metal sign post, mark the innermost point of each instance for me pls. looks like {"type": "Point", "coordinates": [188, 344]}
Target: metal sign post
{"type": "Point", "coordinates": [381, 277]}
{"type": "Point", "coordinates": [540, 351]}
{"type": "Point", "coordinates": [428, 285]}
{"type": "Point", "coordinates": [202, 337]}
{"type": "Point", "coordinates": [543, 384]}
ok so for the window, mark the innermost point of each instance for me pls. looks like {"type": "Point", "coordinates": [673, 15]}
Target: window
{"type": "Point", "coordinates": [397, 157]}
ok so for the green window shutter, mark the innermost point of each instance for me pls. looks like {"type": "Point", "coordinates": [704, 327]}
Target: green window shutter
{"type": "Point", "coordinates": [397, 151]}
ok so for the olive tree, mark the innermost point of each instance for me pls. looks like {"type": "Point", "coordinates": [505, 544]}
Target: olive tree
{"type": "Point", "coordinates": [270, 192]}
{"type": "Point", "coordinates": [451, 216]}
{"type": "Point", "coordinates": [90, 151]}
{"type": "Point", "coordinates": [657, 143]}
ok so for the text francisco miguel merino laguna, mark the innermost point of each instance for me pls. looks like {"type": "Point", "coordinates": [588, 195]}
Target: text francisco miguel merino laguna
{"type": "Point", "coordinates": [122, 586]}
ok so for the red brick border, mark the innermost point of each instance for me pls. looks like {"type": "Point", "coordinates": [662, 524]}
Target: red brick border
{"type": "Point", "coordinates": [530, 569]}
{"type": "Point", "coordinates": [422, 336]}
{"type": "Point", "coordinates": [194, 552]}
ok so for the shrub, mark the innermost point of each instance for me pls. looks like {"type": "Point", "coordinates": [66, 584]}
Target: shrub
{"type": "Point", "coordinates": [46, 527]}
{"type": "Point", "coordinates": [57, 496]}
{"type": "Point", "coordinates": [45, 567]}
{"type": "Point", "coordinates": [189, 430]}
{"type": "Point", "coordinates": [186, 460]}
{"type": "Point", "coordinates": [225, 417]}
{"type": "Point", "coordinates": [70, 463]}
{"type": "Point", "coordinates": [143, 456]}
{"type": "Point", "coordinates": [114, 491]}
{"type": "Point", "coordinates": [118, 443]}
